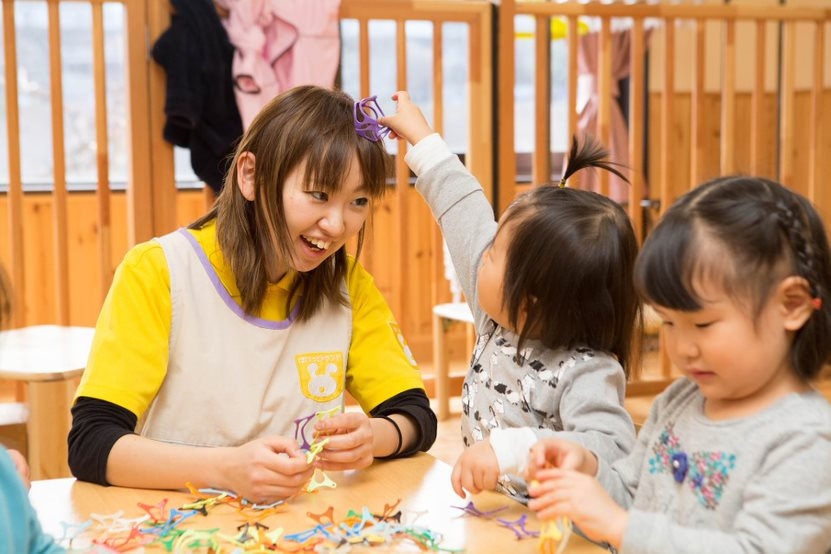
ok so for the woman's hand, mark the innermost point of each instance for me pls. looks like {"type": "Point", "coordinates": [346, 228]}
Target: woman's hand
{"type": "Point", "coordinates": [562, 454]}
{"type": "Point", "coordinates": [267, 469]}
{"type": "Point", "coordinates": [350, 442]}
{"type": "Point", "coordinates": [476, 470]}
{"type": "Point", "coordinates": [408, 122]}
{"type": "Point", "coordinates": [22, 467]}
{"type": "Point", "coordinates": [579, 497]}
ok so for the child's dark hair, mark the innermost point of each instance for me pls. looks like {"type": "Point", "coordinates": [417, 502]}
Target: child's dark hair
{"type": "Point", "coordinates": [306, 124]}
{"type": "Point", "coordinates": [569, 264]}
{"type": "Point", "coordinates": [747, 234]}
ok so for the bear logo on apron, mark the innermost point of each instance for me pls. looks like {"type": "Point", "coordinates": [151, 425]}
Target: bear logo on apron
{"type": "Point", "coordinates": [321, 375]}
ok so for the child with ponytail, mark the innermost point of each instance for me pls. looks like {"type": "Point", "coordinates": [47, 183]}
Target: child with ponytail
{"type": "Point", "coordinates": [550, 287]}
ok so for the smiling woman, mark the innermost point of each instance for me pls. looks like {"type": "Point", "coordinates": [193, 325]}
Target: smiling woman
{"type": "Point", "coordinates": [256, 306]}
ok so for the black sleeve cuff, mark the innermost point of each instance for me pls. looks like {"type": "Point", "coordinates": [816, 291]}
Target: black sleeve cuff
{"type": "Point", "coordinates": [414, 404]}
{"type": "Point", "coordinates": [96, 426]}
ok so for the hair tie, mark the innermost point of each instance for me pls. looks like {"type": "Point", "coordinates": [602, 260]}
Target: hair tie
{"type": "Point", "coordinates": [816, 303]}
{"type": "Point", "coordinates": [367, 112]}
{"type": "Point", "coordinates": [400, 437]}
{"type": "Point", "coordinates": [562, 183]}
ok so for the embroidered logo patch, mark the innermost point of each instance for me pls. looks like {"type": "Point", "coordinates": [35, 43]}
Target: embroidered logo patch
{"type": "Point", "coordinates": [321, 375]}
{"type": "Point", "coordinates": [396, 330]}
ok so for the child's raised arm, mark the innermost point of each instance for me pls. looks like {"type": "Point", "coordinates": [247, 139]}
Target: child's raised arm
{"type": "Point", "coordinates": [454, 195]}
{"type": "Point", "coordinates": [408, 122]}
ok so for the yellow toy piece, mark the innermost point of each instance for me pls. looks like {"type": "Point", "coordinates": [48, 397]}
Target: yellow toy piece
{"type": "Point", "coordinates": [554, 534]}
{"type": "Point", "coordinates": [372, 538]}
{"type": "Point", "coordinates": [320, 479]}
{"type": "Point", "coordinates": [315, 449]}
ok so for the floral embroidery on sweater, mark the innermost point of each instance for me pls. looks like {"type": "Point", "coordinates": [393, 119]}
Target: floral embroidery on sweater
{"type": "Point", "coordinates": [706, 472]}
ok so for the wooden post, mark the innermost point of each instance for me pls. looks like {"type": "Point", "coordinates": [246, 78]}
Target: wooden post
{"type": "Point", "coordinates": [728, 100]}
{"type": "Point", "coordinates": [140, 112]}
{"type": "Point", "coordinates": [402, 189]}
{"type": "Point", "coordinates": [697, 104]}
{"type": "Point", "coordinates": [571, 101]}
{"type": "Point", "coordinates": [786, 129]}
{"type": "Point", "coordinates": [59, 197]}
{"type": "Point", "coordinates": [102, 146]}
{"type": "Point", "coordinates": [542, 103]}
{"type": "Point", "coordinates": [636, 96]}
{"type": "Point", "coordinates": [507, 155]}
{"type": "Point", "coordinates": [15, 196]}
{"type": "Point", "coordinates": [757, 101]}
{"type": "Point", "coordinates": [604, 87]}
{"type": "Point", "coordinates": [814, 128]}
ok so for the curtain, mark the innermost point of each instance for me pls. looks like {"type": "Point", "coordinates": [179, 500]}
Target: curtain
{"type": "Point", "coordinates": [588, 105]}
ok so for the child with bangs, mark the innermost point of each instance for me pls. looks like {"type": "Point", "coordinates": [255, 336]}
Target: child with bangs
{"type": "Point", "coordinates": [734, 455]}
{"type": "Point", "coordinates": [550, 288]}
{"type": "Point", "coordinates": [218, 344]}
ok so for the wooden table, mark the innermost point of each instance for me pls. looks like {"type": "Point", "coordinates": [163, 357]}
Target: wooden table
{"type": "Point", "coordinates": [46, 358]}
{"type": "Point", "coordinates": [422, 482]}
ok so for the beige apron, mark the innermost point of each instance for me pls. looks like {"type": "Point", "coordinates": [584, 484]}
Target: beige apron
{"type": "Point", "coordinates": [231, 377]}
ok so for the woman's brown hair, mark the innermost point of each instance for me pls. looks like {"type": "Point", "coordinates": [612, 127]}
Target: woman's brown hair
{"type": "Point", "coordinates": [310, 125]}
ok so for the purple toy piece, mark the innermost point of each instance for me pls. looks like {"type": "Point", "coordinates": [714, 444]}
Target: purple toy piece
{"type": "Point", "coordinates": [367, 113]}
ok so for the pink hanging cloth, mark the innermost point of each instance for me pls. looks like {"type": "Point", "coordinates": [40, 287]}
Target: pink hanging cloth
{"type": "Point", "coordinates": [588, 103]}
{"type": "Point", "coordinates": [280, 44]}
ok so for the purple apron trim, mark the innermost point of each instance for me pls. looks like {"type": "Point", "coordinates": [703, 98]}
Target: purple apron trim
{"type": "Point", "coordinates": [230, 302]}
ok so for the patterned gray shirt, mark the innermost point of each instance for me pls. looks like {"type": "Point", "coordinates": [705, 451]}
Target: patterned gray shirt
{"type": "Point", "coordinates": [572, 394]}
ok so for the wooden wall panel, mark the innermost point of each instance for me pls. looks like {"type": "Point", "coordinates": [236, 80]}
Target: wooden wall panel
{"type": "Point", "coordinates": [82, 240]}
{"type": "Point", "coordinates": [681, 133]}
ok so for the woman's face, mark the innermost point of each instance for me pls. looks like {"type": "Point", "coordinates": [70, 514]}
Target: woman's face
{"type": "Point", "coordinates": [319, 223]}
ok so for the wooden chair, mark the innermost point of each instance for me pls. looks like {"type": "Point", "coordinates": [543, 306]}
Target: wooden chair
{"type": "Point", "coordinates": [442, 314]}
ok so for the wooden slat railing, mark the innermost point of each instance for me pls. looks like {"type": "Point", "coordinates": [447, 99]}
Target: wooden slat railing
{"type": "Point", "coordinates": [666, 142]}
{"type": "Point", "coordinates": [90, 233]}
{"type": "Point", "coordinates": [59, 211]}
{"type": "Point", "coordinates": [15, 201]}
{"type": "Point", "coordinates": [404, 232]}
{"type": "Point", "coordinates": [105, 262]}
{"type": "Point", "coordinates": [403, 292]}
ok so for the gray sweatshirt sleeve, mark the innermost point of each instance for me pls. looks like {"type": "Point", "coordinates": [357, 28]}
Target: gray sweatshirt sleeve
{"type": "Point", "coordinates": [620, 479]}
{"type": "Point", "coordinates": [592, 413]}
{"type": "Point", "coordinates": [785, 508]}
{"type": "Point", "coordinates": [591, 409]}
{"type": "Point", "coordinates": [466, 218]}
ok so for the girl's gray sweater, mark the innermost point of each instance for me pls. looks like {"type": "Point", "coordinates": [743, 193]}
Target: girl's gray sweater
{"type": "Point", "coordinates": [754, 484]}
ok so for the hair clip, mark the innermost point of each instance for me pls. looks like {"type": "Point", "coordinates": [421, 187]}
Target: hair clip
{"type": "Point", "coordinates": [817, 303]}
{"type": "Point", "coordinates": [367, 114]}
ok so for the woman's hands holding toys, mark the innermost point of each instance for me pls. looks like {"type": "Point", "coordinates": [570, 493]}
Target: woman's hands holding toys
{"type": "Point", "coordinates": [349, 444]}
{"type": "Point", "coordinates": [267, 469]}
